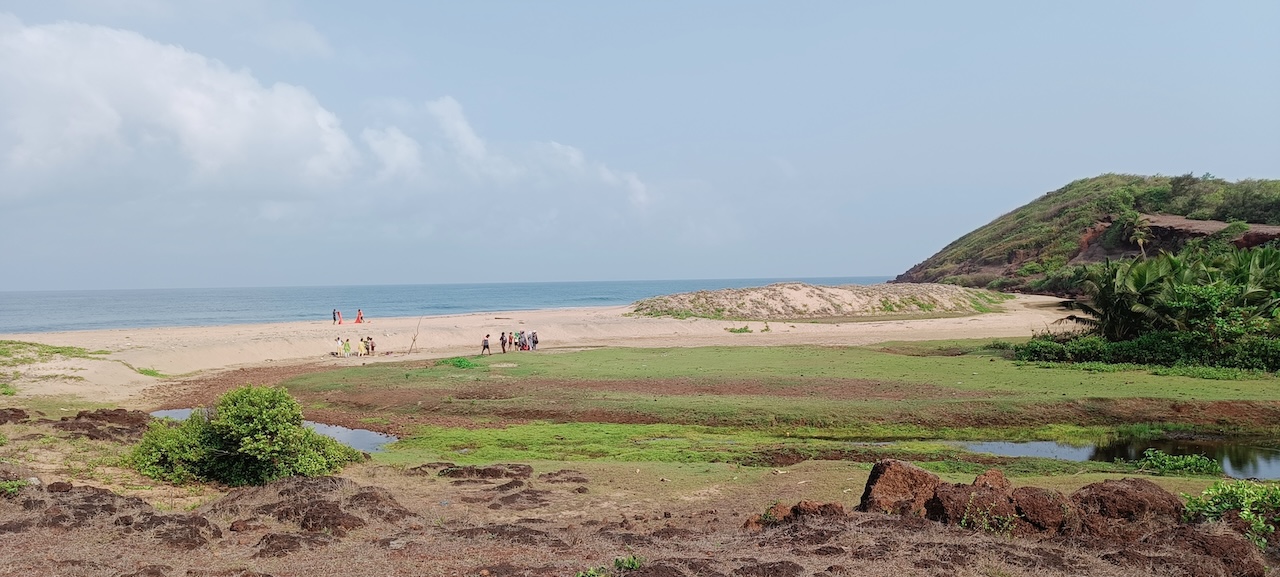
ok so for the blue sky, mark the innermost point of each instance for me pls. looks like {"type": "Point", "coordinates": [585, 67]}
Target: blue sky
{"type": "Point", "coordinates": [149, 143]}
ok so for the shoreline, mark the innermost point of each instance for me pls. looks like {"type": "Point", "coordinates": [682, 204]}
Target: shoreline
{"type": "Point", "coordinates": [182, 352]}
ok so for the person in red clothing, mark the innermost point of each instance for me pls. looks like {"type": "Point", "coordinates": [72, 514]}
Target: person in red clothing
{"type": "Point", "coordinates": [359, 316]}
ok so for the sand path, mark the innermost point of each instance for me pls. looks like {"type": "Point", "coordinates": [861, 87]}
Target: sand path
{"type": "Point", "coordinates": [184, 351]}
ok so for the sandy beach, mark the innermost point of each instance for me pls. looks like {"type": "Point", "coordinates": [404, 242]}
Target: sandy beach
{"type": "Point", "coordinates": [179, 352]}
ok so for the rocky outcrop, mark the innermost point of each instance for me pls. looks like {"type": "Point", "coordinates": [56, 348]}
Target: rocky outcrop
{"type": "Point", "coordinates": [1136, 515]}
{"type": "Point", "coordinates": [779, 514]}
{"type": "Point", "coordinates": [898, 487]}
{"type": "Point", "coordinates": [1125, 510]}
{"type": "Point", "coordinates": [64, 506]}
{"type": "Point", "coordinates": [117, 425]}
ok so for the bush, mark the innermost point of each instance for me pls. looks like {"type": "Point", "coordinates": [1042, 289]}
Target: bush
{"type": "Point", "coordinates": [1181, 350]}
{"type": "Point", "coordinates": [457, 362]}
{"type": "Point", "coordinates": [253, 436]}
{"type": "Point", "coordinates": [1256, 503]}
{"type": "Point", "coordinates": [1087, 349]}
{"type": "Point", "coordinates": [1255, 353]}
{"type": "Point", "coordinates": [1162, 463]}
{"type": "Point", "coordinates": [1040, 349]}
{"type": "Point", "coordinates": [12, 488]}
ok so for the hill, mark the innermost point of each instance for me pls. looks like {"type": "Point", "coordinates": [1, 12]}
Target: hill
{"type": "Point", "coordinates": [1111, 216]}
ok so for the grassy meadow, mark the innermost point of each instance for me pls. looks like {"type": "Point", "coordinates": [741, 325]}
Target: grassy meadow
{"type": "Point", "coordinates": [775, 405]}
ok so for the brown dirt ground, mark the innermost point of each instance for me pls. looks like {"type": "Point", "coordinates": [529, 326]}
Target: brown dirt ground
{"type": "Point", "coordinates": [508, 520]}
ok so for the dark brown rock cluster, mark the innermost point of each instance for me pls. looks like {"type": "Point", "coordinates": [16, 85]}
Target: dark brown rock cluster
{"type": "Point", "coordinates": [1143, 523]}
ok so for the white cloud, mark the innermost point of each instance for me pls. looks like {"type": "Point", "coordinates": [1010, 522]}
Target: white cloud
{"type": "Point", "coordinates": [398, 155]}
{"type": "Point", "coordinates": [74, 96]}
{"type": "Point", "coordinates": [102, 129]}
{"type": "Point", "coordinates": [448, 113]}
{"type": "Point", "coordinates": [469, 150]}
{"type": "Point", "coordinates": [548, 165]}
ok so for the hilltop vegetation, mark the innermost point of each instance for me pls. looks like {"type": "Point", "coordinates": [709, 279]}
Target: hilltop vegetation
{"type": "Point", "coordinates": [1034, 247]}
{"type": "Point", "coordinates": [1196, 308]}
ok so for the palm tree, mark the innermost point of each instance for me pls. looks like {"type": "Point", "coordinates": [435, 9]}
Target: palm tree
{"type": "Point", "coordinates": [1126, 299]}
{"type": "Point", "coordinates": [1137, 229]}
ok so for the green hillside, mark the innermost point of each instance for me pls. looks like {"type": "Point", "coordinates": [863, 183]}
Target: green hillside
{"type": "Point", "coordinates": [1030, 248]}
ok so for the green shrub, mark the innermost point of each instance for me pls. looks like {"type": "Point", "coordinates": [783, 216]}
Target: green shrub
{"type": "Point", "coordinates": [743, 330]}
{"type": "Point", "coordinates": [1257, 504]}
{"type": "Point", "coordinates": [1162, 463]}
{"type": "Point", "coordinates": [1030, 268]}
{"type": "Point", "coordinates": [457, 362]}
{"type": "Point", "coordinates": [1004, 283]}
{"type": "Point", "coordinates": [628, 563]}
{"type": "Point", "coordinates": [253, 436]}
{"type": "Point", "coordinates": [178, 454]}
{"type": "Point", "coordinates": [7, 390]}
{"type": "Point", "coordinates": [1086, 349]}
{"type": "Point", "coordinates": [1040, 349]}
{"type": "Point", "coordinates": [1000, 345]}
{"type": "Point", "coordinates": [11, 488]}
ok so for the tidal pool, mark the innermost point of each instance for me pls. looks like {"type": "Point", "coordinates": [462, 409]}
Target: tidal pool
{"type": "Point", "coordinates": [1242, 459]}
{"type": "Point", "coordinates": [359, 439]}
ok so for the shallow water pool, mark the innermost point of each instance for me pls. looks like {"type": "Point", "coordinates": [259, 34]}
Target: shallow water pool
{"type": "Point", "coordinates": [359, 439]}
{"type": "Point", "coordinates": [1242, 459]}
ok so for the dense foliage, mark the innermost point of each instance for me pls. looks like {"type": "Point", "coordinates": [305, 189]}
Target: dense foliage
{"type": "Point", "coordinates": [1200, 307]}
{"type": "Point", "coordinates": [1031, 248]}
{"type": "Point", "coordinates": [254, 435]}
{"type": "Point", "coordinates": [1162, 463]}
{"type": "Point", "coordinates": [1257, 504]}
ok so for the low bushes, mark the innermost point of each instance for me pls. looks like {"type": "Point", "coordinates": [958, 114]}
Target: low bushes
{"type": "Point", "coordinates": [253, 436]}
{"type": "Point", "coordinates": [1162, 348]}
{"type": "Point", "coordinates": [1257, 504]}
{"type": "Point", "coordinates": [1162, 463]}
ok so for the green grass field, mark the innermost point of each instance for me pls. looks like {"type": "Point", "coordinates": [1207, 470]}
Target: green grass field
{"type": "Point", "coordinates": [742, 404]}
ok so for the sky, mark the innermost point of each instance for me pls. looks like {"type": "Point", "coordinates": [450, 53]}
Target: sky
{"type": "Point", "coordinates": [225, 143]}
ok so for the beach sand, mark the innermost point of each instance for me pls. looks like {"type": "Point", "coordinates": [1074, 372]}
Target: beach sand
{"type": "Point", "coordinates": [178, 352]}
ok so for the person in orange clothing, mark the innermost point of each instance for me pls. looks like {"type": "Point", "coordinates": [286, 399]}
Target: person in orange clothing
{"type": "Point", "coordinates": [359, 316]}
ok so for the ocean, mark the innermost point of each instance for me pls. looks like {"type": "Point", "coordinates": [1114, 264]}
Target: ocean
{"type": "Point", "coordinates": [50, 311]}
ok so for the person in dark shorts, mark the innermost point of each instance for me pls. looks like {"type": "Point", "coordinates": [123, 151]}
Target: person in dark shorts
{"type": "Point", "coordinates": [502, 340]}
{"type": "Point", "coordinates": [484, 345]}
{"type": "Point", "coordinates": [335, 316]}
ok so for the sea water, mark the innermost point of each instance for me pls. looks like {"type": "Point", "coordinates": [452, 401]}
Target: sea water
{"type": "Point", "coordinates": [49, 311]}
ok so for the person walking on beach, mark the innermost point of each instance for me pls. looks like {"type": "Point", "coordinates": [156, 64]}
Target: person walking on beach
{"type": "Point", "coordinates": [346, 348]}
{"type": "Point", "coordinates": [533, 340]}
{"type": "Point", "coordinates": [335, 316]}
{"type": "Point", "coordinates": [364, 348]}
{"type": "Point", "coordinates": [371, 346]}
{"type": "Point", "coordinates": [484, 345]}
{"type": "Point", "coordinates": [338, 342]}
{"type": "Point", "coordinates": [502, 340]}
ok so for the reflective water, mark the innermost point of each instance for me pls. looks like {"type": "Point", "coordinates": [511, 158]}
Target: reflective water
{"type": "Point", "coordinates": [1241, 459]}
{"type": "Point", "coordinates": [359, 439]}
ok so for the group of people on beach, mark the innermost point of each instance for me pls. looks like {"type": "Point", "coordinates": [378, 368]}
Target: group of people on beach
{"type": "Point", "coordinates": [365, 348]}
{"type": "Point", "coordinates": [337, 316]}
{"type": "Point", "coordinates": [518, 341]}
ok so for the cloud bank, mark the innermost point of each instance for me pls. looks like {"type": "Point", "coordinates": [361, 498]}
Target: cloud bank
{"type": "Point", "coordinates": [97, 114]}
